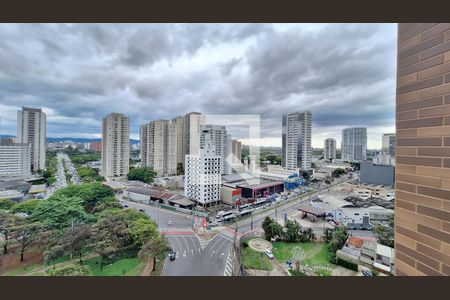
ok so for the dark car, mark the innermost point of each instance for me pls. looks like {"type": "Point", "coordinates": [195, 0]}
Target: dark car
{"type": "Point", "coordinates": [172, 255]}
{"type": "Point", "coordinates": [125, 206]}
{"type": "Point", "coordinates": [141, 210]}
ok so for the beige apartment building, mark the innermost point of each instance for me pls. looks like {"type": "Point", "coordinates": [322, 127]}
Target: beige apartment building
{"type": "Point", "coordinates": [115, 146]}
{"type": "Point", "coordinates": [422, 207]}
{"type": "Point", "coordinates": [175, 145]}
{"type": "Point", "coordinates": [31, 129]}
{"type": "Point", "coordinates": [154, 146]}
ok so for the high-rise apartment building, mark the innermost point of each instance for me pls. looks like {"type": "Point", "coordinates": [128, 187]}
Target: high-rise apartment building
{"type": "Point", "coordinates": [354, 144]}
{"type": "Point", "coordinates": [388, 143]}
{"type": "Point", "coordinates": [202, 173]}
{"type": "Point", "coordinates": [219, 138]}
{"type": "Point", "coordinates": [296, 139]}
{"type": "Point", "coordinates": [15, 158]}
{"type": "Point", "coordinates": [96, 146]}
{"type": "Point", "coordinates": [191, 135]}
{"type": "Point", "coordinates": [422, 204]}
{"type": "Point", "coordinates": [115, 146]}
{"type": "Point", "coordinates": [154, 146]}
{"type": "Point", "coordinates": [175, 145]}
{"type": "Point", "coordinates": [31, 129]}
{"type": "Point", "coordinates": [236, 152]}
{"type": "Point", "coordinates": [329, 148]}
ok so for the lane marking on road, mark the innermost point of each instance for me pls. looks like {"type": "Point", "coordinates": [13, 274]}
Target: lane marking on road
{"type": "Point", "coordinates": [187, 246]}
{"type": "Point", "coordinates": [184, 253]}
{"type": "Point", "coordinates": [216, 239]}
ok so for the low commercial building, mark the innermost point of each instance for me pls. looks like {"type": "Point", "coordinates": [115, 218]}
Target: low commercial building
{"type": "Point", "coordinates": [230, 195]}
{"type": "Point", "coordinates": [262, 189]}
{"type": "Point", "coordinates": [377, 174]}
{"type": "Point", "coordinates": [367, 252]}
{"type": "Point", "coordinates": [148, 195]}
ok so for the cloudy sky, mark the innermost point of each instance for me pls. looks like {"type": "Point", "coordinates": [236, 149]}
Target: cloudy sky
{"type": "Point", "coordinates": [78, 73]}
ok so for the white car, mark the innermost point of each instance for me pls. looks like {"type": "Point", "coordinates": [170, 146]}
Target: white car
{"type": "Point", "coordinates": [269, 253]}
{"type": "Point", "coordinates": [170, 223]}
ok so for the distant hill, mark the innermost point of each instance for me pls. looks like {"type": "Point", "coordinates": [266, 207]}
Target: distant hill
{"type": "Point", "coordinates": [76, 140]}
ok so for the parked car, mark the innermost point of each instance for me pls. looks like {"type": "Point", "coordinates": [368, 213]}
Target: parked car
{"type": "Point", "coordinates": [269, 253]}
{"type": "Point", "coordinates": [125, 206]}
{"type": "Point", "coordinates": [141, 210]}
{"type": "Point", "coordinates": [172, 255]}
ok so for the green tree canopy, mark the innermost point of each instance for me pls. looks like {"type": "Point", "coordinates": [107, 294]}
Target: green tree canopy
{"type": "Point", "coordinates": [385, 235]}
{"type": "Point", "coordinates": [292, 233]}
{"type": "Point", "coordinates": [144, 174]}
{"type": "Point", "coordinates": [27, 207]}
{"type": "Point", "coordinates": [271, 228]}
{"type": "Point", "coordinates": [144, 230]}
{"type": "Point", "coordinates": [6, 203]}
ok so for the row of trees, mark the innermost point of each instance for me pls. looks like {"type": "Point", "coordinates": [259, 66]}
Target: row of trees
{"type": "Point", "coordinates": [292, 232]}
{"type": "Point", "coordinates": [77, 220]}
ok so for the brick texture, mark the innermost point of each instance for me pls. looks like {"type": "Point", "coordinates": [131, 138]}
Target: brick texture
{"type": "Point", "coordinates": [422, 205]}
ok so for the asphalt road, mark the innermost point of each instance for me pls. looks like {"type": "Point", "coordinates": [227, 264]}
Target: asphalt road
{"type": "Point", "coordinates": [192, 260]}
{"type": "Point", "coordinates": [181, 222]}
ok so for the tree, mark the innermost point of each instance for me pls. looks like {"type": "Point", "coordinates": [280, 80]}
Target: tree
{"type": "Point", "coordinates": [339, 238]}
{"type": "Point", "coordinates": [385, 235]}
{"type": "Point", "coordinates": [144, 174]}
{"type": "Point", "coordinates": [180, 169]}
{"type": "Point", "coordinates": [327, 235]}
{"type": "Point", "coordinates": [27, 207]}
{"type": "Point", "coordinates": [271, 228]}
{"type": "Point", "coordinates": [338, 172]}
{"type": "Point", "coordinates": [292, 233]}
{"type": "Point", "coordinates": [143, 231]}
{"type": "Point", "coordinates": [59, 212]}
{"type": "Point", "coordinates": [6, 203]}
{"type": "Point", "coordinates": [153, 248]}
{"type": "Point", "coordinates": [7, 223]}
{"type": "Point", "coordinates": [75, 240]}
{"type": "Point", "coordinates": [70, 270]}
{"type": "Point", "coordinates": [307, 235]}
{"type": "Point", "coordinates": [111, 234]}
{"type": "Point", "coordinates": [30, 236]}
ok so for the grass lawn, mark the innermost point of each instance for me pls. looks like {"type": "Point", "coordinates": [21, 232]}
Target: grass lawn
{"type": "Point", "coordinates": [121, 267]}
{"type": "Point", "coordinates": [315, 253]}
{"type": "Point", "coordinates": [252, 259]}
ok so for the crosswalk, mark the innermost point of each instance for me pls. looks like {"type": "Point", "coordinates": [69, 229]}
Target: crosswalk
{"type": "Point", "coordinates": [229, 265]}
{"type": "Point", "coordinates": [173, 230]}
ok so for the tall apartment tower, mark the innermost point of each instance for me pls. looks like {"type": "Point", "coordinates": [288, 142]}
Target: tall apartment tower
{"type": "Point", "coordinates": [202, 178]}
{"type": "Point", "coordinates": [31, 129]}
{"type": "Point", "coordinates": [388, 143]}
{"type": "Point", "coordinates": [219, 138]}
{"type": "Point", "coordinates": [236, 151]}
{"type": "Point", "coordinates": [329, 148]}
{"type": "Point", "coordinates": [115, 146]}
{"type": "Point", "coordinates": [175, 145]}
{"type": "Point", "coordinates": [354, 144]}
{"type": "Point", "coordinates": [191, 135]}
{"type": "Point", "coordinates": [422, 204]}
{"type": "Point", "coordinates": [154, 146]}
{"type": "Point", "coordinates": [296, 138]}
{"type": "Point", "coordinates": [15, 158]}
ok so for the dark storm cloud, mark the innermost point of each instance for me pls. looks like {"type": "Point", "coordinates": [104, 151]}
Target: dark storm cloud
{"type": "Point", "coordinates": [344, 74]}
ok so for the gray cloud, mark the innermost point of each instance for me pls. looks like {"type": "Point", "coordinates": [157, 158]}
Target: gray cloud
{"type": "Point", "coordinates": [344, 74]}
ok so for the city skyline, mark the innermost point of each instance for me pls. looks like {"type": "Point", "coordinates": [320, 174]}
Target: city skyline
{"type": "Point", "coordinates": [224, 70]}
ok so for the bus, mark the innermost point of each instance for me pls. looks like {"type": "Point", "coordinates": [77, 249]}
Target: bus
{"type": "Point", "coordinates": [226, 216]}
{"type": "Point", "coordinates": [245, 206]}
{"type": "Point", "coordinates": [246, 212]}
{"type": "Point", "coordinates": [260, 202]}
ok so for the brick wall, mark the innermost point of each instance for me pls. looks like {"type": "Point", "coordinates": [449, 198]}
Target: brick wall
{"type": "Point", "coordinates": [422, 209]}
